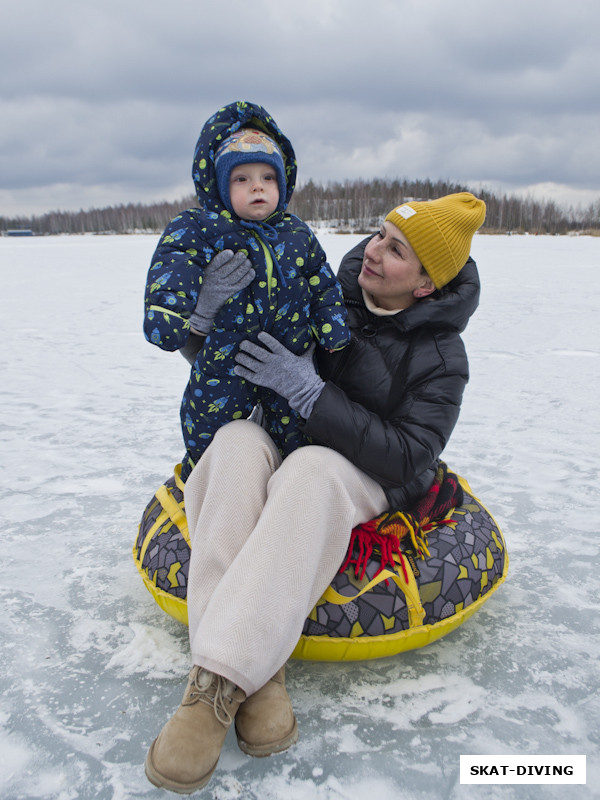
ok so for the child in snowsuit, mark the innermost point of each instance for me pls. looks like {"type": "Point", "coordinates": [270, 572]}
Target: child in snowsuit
{"type": "Point", "coordinates": [244, 172]}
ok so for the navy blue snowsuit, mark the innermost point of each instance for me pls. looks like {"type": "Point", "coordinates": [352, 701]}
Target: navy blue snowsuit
{"type": "Point", "coordinates": [294, 296]}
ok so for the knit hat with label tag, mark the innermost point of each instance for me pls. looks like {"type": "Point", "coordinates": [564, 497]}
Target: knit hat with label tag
{"type": "Point", "coordinates": [245, 146]}
{"type": "Point", "coordinates": [440, 232]}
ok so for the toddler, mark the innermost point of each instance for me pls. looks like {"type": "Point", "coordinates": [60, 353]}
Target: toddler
{"type": "Point", "coordinates": [237, 265]}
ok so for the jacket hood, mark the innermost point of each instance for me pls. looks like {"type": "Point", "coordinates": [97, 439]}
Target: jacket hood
{"type": "Point", "coordinates": [220, 126]}
{"type": "Point", "coordinates": [449, 308]}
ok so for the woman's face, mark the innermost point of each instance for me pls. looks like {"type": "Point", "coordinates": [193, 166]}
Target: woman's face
{"type": "Point", "coordinates": [391, 271]}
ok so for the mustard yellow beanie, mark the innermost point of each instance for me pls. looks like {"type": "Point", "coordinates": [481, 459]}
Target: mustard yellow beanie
{"type": "Point", "coordinates": [440, 232]}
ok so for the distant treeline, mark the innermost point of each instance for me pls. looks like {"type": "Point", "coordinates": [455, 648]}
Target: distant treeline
{"type": "Point", "coordinates": [129, 218]}
{"type": "Point", "coordinates": [349, 206]}
{"type": "Point", "coordinates": [361, 205]}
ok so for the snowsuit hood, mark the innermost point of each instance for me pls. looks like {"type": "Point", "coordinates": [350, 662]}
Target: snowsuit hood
{"type": "Point", "coordinates": [219, 127]}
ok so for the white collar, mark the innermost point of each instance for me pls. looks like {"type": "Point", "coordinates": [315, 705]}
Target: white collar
{"type": "Point", "coordinates": [375, 309]}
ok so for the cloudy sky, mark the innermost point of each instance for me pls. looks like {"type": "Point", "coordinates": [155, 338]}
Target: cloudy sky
{"type": "Point", "coordinates": [101, 101]}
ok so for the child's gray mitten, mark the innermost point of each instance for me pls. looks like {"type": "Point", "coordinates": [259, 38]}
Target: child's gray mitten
{"type": "Point", "coordinates": [225, 275]}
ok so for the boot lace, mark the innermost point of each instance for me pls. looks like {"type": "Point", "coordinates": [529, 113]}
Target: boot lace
{"type": "Point", "coordinates": [213, 690]}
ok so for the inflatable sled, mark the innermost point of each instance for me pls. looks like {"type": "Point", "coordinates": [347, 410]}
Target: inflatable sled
{"type": "Point", "coordinates": [384, 612]}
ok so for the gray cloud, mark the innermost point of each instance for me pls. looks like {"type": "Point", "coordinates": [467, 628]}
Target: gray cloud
{"type": "Point", "coordinates": [103, 101]}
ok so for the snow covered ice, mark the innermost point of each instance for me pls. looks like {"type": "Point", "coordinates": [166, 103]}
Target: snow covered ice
{"type": "Point", "coordinates": [91, 668]}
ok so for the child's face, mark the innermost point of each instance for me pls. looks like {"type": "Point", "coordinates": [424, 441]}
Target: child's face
{"type": "Point", "coordinates": [253, 190]}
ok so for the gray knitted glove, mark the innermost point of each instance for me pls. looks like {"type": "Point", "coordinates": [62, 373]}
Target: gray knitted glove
{"type": "Point", "coordinates": [274, 366]}
{"type": "Point", "coordinates": [226, 275]}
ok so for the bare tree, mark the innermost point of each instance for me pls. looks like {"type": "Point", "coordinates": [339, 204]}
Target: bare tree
{"type": "Point", "coordinates": [357, 206]}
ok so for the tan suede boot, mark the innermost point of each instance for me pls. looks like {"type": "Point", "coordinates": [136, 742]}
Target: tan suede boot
{"type": "Point", "coordinates": [265, 722]}
{"type": "Point", "coordinates": [184, 755]}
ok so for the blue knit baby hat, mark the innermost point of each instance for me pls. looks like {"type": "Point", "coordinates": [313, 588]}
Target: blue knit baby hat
{"type": "Point", "coordinates": [245, 146]}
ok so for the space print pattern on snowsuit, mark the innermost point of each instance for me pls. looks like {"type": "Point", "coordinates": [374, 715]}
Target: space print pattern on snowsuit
{"type": "Point", "coordinates": [294, 296]}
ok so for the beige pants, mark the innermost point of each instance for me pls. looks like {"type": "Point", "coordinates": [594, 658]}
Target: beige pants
{"type": "Point", "coordinates": [267, 538]}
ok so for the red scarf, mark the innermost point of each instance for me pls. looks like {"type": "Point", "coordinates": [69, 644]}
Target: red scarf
{"type": "Point", "coordinates": [387, 532]}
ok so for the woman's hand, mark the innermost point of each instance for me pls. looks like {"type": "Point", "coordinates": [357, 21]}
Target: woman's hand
{"type": "Point", "coordinates": [225, 275]}
{"type": "Point", "coordinates": [275, 367]}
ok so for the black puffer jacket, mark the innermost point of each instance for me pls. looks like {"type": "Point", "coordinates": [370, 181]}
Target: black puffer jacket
{"type": "Point", "coordinates": [393, 396]}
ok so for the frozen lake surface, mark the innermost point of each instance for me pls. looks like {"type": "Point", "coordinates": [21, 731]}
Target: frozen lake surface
{"type": "Point", "coordinates": [91, 668]}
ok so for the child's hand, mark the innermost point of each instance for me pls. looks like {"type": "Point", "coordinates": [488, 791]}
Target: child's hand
{"type": "Point", "coordinates": [226, 275]}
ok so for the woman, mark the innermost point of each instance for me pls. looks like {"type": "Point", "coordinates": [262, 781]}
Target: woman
{"type": "Point", "coordinates": [268, 536]}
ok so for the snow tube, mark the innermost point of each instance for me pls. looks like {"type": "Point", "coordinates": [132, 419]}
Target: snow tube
{"type": "Point", "coordinates": [380, 615]}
